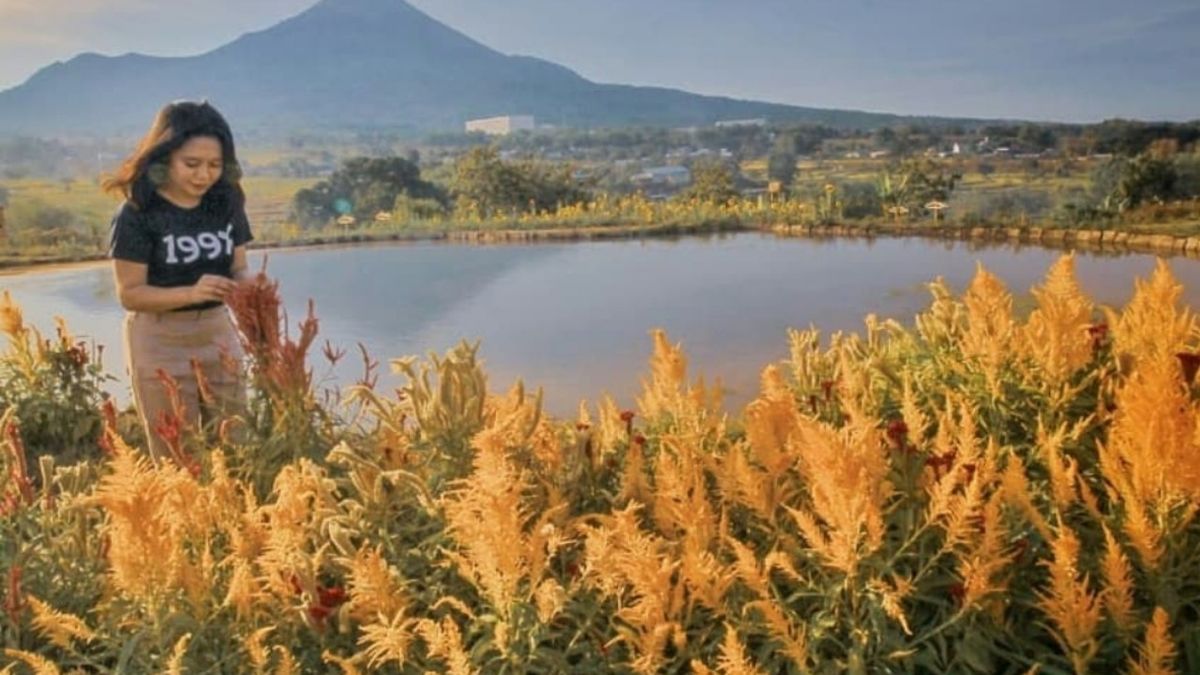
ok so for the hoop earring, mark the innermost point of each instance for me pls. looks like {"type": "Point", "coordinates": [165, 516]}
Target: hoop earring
{"type": "Point", "coordinates": [157, 174]}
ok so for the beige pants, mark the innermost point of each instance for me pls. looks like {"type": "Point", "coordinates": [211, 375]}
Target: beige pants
{"type": "Point", "coordinates": [170, 342]}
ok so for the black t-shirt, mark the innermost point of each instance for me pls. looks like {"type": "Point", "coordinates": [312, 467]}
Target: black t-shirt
{"type": "Point", "coordinates": [179, 245]}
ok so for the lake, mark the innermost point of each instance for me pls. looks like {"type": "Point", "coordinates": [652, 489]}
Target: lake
{"type": "Point", "coordinates": [574, 318]}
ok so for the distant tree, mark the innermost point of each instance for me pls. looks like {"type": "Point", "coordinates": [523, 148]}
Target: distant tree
{"type": "Point", "coordinates": [1146, 178]}
{"type": "Point", "coordinates": [364, 186]}
{"type": "Point", "coordinates": [1036, 137]}
{"type": "Point", "coordinates": [884, 137]}
{"type": "Point", "coordinates": [916, 182]}
{"type": "Point", "coordinates": [781, 165]}
{"type": "Point", "coordinates": [712, 182]}
{"type": "Point", "coordinates": [860, 199]}
{"type": "Point", "coordinates": [489, 185]}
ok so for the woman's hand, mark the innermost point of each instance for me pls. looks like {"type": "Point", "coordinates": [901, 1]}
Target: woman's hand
{"type": "Point", "coordinates": [211, 287]}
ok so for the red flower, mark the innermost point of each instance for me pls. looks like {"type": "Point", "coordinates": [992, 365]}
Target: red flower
{"type": "Point", "coordinates": [333, 355]}
{"type": "Point", "coordinates": [332, 596]}
{"type": "Point", "coordinates": [627, 418]}
{"type": "Point", "coordinates": [827, 387]}
{"type": "Point", "coordinates": [958, 592]}
{"type": "Point", "coordinates": [970, 469]}
{"type": "Point", "coordinates": [896, 431]}
{"type": "Point", "coordinates": [640, 440]}
{"type": "Point", "coordinates": [318, 613]}
{"type": "Point", "coordinates": [12, 602]}
{"type": "Point", "coordinates": [1020, 547]}
{"type": "Point", "coordinates": [1190, 362]}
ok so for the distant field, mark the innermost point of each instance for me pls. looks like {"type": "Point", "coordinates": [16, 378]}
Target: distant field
{"type": "Point", "coordinates": [267, 197]}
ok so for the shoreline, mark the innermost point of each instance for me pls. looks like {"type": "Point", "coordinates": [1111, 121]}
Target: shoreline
{"type": "Point", "coordinates": [38, 264]}
{"type": "Point", "coordinates": [1100, 241]}
{"type": "Point", "coordinates": [1114, 241]}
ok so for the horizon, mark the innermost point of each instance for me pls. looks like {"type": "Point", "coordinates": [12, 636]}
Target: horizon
{"type": "Point", "coordinates": [1052, 71]}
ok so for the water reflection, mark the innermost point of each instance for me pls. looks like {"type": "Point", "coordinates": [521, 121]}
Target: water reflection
{"type": "Point", "coordinates": [575, 318]}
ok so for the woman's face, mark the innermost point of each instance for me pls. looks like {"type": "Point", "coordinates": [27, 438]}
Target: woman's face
{"type": "Point", "coordinates": [194, 168]}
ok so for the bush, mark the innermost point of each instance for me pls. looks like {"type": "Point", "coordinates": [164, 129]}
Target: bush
{"type": "Point", "coordinates": [36, 223]}
{"type": "Point", "coordinates": [971, 494]}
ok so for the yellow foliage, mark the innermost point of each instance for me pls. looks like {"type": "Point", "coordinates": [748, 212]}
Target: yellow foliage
{"type": "Point", "coordinates": [40, 664]}
{"type": "Point", "coordinates": [1157, 654]}
{"type": "Point", "coordinates": [846, 474]}
{"type": "Point", "coordinates": [1070, 605]}
{"type": "Point", "coordinates": [175, 663]}
{"type": "Point", "coordinates": [387, 640]}
{"type": "Point", "coordinates": [1153, 434]}
{"type": "Point", "coordinates": [1118, 583]}
{"type": "Point", "coordinates": [12, 322]}
{"type": "Point", "coordinates": [444, 642]}
{"type": "Point", "coordinates": [1152, 326]}
{"type": "Point", "coordinates": [375, 586]}
{"type": "Point", "coordinates": [693, 409]}
{"type": "Point", "coordinates": [990, 326]}
{"type": "Point", "coordinates": [733, 659]}
{"type": "Point", "coordinates": [770, 420]}
{"type": "Point", "coordinates": [61, 628]}
{"type": "Point", "coordinates": [1055, 336]}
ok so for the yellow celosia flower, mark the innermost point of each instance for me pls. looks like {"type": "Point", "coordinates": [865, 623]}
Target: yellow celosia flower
{"type": "Point", "coordinates": [1070, 605]}
{"type": "Point", "coordinates": [770, 421]}
{"type": "Point", "coordinates": [61, 628]}
{"type": "Point", "coordinates": [40, 664]}
{"type": "Point", "coordinates": [1118, 583]}
{"type": "Point", "coordinates": [175, 664]}
{"type": "Point", "coordinates": [1158, 651]}
{"type": "Point", "coordinates": [692, 408]}
{"type": "Point", "coordinates": [444, 641]}
{"type": "Point", "coordinates": [256, 652]}
{"type": "Point", "coordinates": [990, 326]}
{"type": "Point", "coordinates": [550, 598]}
{"type": "Point", "coordinates": [347, 665]}
{"type": "Point", "coordinates": [375, 586]}
{"type": "Point", "coordinates": [12, 323]}
{"type": "Point", "coordinates": [846, 473]}
{"type": "Point", "coordinates": [1056, 335]}
{"type": "Point", "coordinates": [387, 640]}
{"type": "Point", "coordinates": [1153, 433]}
{"type": "Point", "coordinates": [733, 659]}
{"type": "Point", "coordinates": [791, 635]}
{"type": "Point", "coordinates": [1152, 326]}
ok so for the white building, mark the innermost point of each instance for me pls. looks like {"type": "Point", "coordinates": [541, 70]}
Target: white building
{"type": "Point", "coordinates": [756, 122]}
{"type": "Point", "coordinates": [673, 175]}
{"type": "Point", "coordinates": [500, 126]}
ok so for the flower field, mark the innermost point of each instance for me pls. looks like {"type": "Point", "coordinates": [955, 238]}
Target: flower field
{"type": "Point", "coordinates": [976, 492]}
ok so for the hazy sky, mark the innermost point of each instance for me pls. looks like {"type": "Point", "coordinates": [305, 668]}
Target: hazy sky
{"type": "Point", "coordinates": [1078, 60]}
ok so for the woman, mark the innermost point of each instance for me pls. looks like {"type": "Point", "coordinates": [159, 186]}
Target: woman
{"type": "Point", "coordinates": [178, 250]}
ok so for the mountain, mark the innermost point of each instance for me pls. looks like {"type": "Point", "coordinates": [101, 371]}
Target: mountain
{"type": "Point", "coordinates": [361, 64]}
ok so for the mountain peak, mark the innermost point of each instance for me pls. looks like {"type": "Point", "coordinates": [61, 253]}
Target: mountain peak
{"type": "Point", "coordinates": [357, 64]}
{"type": "Point", "coordinates": [371, 8]}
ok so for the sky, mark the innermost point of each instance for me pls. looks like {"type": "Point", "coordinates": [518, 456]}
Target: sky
{"type": "Point", "coordinates": [1077, 60]}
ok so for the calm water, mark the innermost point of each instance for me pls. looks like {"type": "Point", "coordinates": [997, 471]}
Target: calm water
{"type": "Point", "coordinates": [575, 318]}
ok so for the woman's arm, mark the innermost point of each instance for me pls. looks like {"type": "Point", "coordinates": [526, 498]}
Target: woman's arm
{"type": "Point", "coordinates": [138, 296]}
{"type": "Point", "coordinates": [240, 269]}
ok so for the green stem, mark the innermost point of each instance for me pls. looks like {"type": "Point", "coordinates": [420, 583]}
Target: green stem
{"type": "Point", "coordinates": [954, 618]}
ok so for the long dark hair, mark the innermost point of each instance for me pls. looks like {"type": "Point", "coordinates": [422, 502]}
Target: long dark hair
{"type": "Point", "coordinates": [144, 170]}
